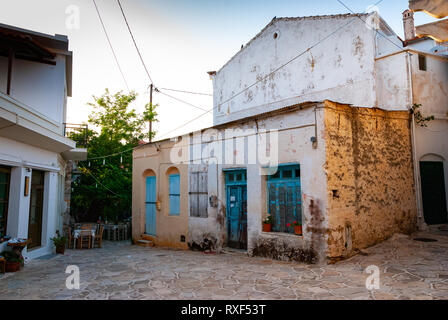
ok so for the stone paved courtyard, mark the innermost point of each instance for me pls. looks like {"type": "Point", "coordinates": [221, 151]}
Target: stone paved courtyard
{"type": "Point", "coordinates": [409, 270]}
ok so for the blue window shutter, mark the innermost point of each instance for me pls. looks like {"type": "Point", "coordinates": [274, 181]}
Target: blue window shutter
{"type": "Point", "coordinates": [174, 190]}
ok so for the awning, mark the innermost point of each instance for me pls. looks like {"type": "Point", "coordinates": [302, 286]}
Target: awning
{"type": "Point", "coordinates": [435, 8]}
{"type": "Point", "coordinates": [436, 30]}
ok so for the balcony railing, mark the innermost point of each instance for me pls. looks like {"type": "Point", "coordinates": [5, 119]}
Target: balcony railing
{"type": "Point", "coordinates": [78, 133]}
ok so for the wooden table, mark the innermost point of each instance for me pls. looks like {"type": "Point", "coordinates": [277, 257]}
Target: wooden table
{"type": "Point", "coordinates": [18, 248]}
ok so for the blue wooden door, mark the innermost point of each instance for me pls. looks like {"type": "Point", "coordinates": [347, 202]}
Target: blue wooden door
{"type": "Point", "coordinates": [150, 206]}
{"type": "Point", "coordinates": [236, 192]}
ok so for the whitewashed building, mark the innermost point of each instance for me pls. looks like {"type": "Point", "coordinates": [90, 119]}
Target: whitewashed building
{"type": "Point", "coordinates": [339, 91]}
{"type": "Point", "coordinates": [35, 81]}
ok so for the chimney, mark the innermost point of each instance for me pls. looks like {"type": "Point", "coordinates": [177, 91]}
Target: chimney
{"type": "Point", "coordinates": [408, 23]}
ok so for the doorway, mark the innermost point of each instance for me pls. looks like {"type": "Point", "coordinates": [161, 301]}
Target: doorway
{"type": "Point", "coordinates": [36, 208]}
{"type": "Point", "coordinates": [150, 206]}
{"type": "Point", "coordinates": [433, 192]}
{"type": "Point", "coordinates": [5, 174]}
{"type": "Point", "coordinates": [236, 194]}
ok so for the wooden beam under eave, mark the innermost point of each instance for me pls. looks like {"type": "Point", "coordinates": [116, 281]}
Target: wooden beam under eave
{"type": "Point", "coordinates": [10, 64]}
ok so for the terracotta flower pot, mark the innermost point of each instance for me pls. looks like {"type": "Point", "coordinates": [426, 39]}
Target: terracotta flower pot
{"type": "Point", "coordinates": [60, 249]}
{"type": "Point", "coordinates": [12, 266]}
{"type": "Point", "coordinates": [298, 230]}
{"type": "Point", "coordinates": [267, 227]}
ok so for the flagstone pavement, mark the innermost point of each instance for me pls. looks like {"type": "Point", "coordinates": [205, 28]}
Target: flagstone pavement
{"type": "Point", "coordinates": [408, 270]}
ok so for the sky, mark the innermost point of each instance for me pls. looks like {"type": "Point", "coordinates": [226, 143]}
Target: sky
{"type": "Point", "coordinates": [180, 40]}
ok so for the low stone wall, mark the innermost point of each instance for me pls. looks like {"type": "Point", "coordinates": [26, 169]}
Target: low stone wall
{"type": "Point", "coordinates": [285, 247]}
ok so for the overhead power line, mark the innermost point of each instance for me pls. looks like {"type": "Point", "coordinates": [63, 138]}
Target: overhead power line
{"type": "Point", "coordinates": [110, 45]}
{"type": "Point", "coordinates": [135, 43]}
{"type": "Point", "coordinates": [191, 92]}
{"type": "Point", "coordinates": [377, 32]}
{"type": "Point", "coordinates": [180, 100]}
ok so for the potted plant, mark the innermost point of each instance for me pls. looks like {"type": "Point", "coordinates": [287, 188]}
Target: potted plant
{"type": "Point", "coordinates": [267, 224]}
{"type": "Point", "coordinates": [59, 242]}
{"type": "Point", "coordinates": [13, 261]}
{"type": "Point", "coordinates": [298, 228]}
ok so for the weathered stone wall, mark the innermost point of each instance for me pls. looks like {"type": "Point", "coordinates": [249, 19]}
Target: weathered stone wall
{"type": "Point", "coordinates": [370, 177]}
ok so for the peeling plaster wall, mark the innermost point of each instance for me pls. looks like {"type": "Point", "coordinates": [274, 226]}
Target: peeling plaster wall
{"type": "Point", "coordinates": [296, 128]}
{"type": "Point", "coordinates": [340, 69]}
{"type": "Point", "coordinates": [208, 232]}
{"type": "Point", "coordinates": [294, 146]}
{"type": "Point", "coordinates": [147, 160]}
{"type": "Point", "coordinates": [370, 177]}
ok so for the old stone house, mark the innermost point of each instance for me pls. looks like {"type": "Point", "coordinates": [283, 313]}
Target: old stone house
{"type": "Point", "coordinates": [326, 139]}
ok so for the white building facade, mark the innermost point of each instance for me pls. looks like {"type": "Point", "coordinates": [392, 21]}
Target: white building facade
{"type": "Point", "coordinates": [352, 59]}
{"type": "Point", "coordinates": [351, 182]}
{"type": "Point", "coordinates": [35, 81]}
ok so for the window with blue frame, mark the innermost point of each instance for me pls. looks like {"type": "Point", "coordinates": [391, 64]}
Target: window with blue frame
{"type": "Point", "coordinates": [174, 191]}
{"type": "Point", "coordinates": [285, 198]}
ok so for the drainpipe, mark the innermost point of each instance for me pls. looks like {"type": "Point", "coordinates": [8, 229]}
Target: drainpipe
{"type": "Point", "coordinates": [421, 222]}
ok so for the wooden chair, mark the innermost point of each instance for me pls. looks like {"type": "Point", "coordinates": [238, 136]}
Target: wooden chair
{"type": "Point", "coordinates": [85, 238]}
{"type": "Point", "coordinates": [99, 236]}
{"type": "Point", "coordinates": [3, 264]}
{"type": "Point", "coordinates": [68, 233]}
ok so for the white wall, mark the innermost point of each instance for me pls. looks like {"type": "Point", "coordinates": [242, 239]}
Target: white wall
{"type": "Point", "coordinates": [294, 146]}
{"type": "Point", "coordinates": [23, 159]}
{"type": "Point", "coordinates": [392, 82]}
{"type": "Point", "coordinates": [341, 68]}
{"type": "Point", "coordinates": [38, 85]}
{"type": "Point", "coordinates": [16, 153]}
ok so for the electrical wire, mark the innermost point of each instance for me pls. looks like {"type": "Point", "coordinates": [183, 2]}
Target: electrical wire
{"type": "Point", "coordinates": [135, 43]}
{"type": "Point", "coordinates": [190, 92]}
{"type": "Point", "coordinates": [262, 79]}
{"type": "Point", "coordinates": [110, 45]}
{"type": "Point", "coordinates": [377, 32]}
{"type": "Point", "coordinates": [282, 66]}
{"type": "Point", "coordinates": [180, 100]}
{"type": "Point", "coordinates": [97, 181]}
{"type": "Point", "coordinates": [265, 77]}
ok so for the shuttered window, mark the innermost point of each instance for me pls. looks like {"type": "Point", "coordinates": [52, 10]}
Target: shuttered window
{"type": "Point", "coordinates": [198, 194]}
{"type": "Point", "coordinates": [284, 198]}
{"type": "Point", "coordinates": [174, 182]}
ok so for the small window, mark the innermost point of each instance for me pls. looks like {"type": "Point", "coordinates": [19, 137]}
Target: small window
{"type": "Point", "coordinates": [297, 173]}
{"type": "Point", "coordinates": [287, 174]}
{"type": "Point", "coordinates": [239, 177]}
{"type": "Point", "coordinates": [422, 62]}
{"type": "Point", "coordinates": [230, 177]}
{"type": "Point", "coordinates": [174, 186]}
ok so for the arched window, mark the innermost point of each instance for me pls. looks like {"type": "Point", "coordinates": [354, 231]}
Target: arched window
{"type": "Point", "coordinates": [174, 191]}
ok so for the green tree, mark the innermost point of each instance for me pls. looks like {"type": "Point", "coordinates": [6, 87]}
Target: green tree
{"type": "Point", "coordinates": [103, 186]}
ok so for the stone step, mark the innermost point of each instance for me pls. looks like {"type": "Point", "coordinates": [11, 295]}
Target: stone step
{"type": "Point", "coordinates": [145, 243]}
{"type": "Point", "coordinates": [146, 237]}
